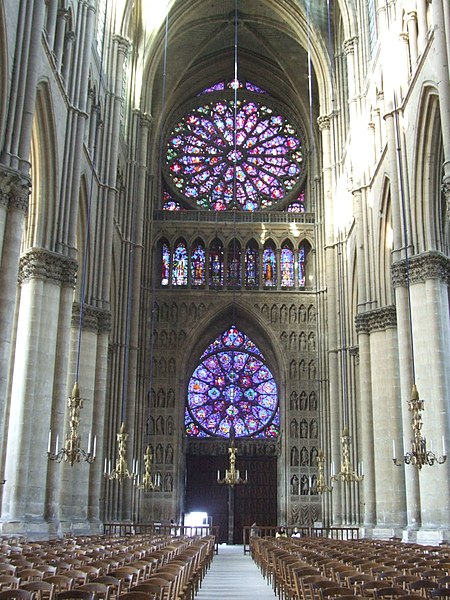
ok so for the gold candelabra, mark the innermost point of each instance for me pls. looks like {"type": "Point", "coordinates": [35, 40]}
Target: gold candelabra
{"type": "Point", "coordinates": [149, 483]}
{"type": "Point", "coordinates": [418, 455]}
{"type": "Point", "coordinates": [71, 451]}
{"type": "Point", "coordinates": [346, 474]}
{"type": "Point", "coordinates": [232, 475]}
{"type": "Point", "coordinates": [121, 472]}
{"type": "Point", "coordinates": [321, 487]}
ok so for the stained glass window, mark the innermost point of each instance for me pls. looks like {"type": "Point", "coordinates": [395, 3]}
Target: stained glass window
{"type": "Point", "coordinates": [287, 266]}
{"type": "Point", "coordinates": [169, 203]}
{"type": "Point", "coordinates": [269, 267]}
{"type": "Point", "coordinates": [220, 85]}
{"type": "Point", "coordinates": [218, 162]}
{"type": "Point", "coordinates": [251, 266]}
{"type": "Point", "coordinates": [232, 387]}
{"type": "Point", "coordinates": [180, 265]}
{"type": "Point", "coordinates": [165, 264]}
{"type": "Point", "coordinates": [301, 265]}
{"type": "Point", "coordinates": [216, 264]}
{"type": "Point", "coordinates": [234, 264]}
{"type": "Point", "coordinates": [198, 263]}
{"type": "Point", "coordinates": [298, 206]}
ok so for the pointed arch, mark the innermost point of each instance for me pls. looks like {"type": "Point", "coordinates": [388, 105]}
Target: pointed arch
{"type": "Point", "coordinates": [39, 228]}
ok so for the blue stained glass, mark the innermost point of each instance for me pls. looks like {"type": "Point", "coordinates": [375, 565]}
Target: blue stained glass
{"type": "Point", "coordinates": [248, 146]}
{"type": "Point", "coordinates": [287, 267]}
{"type": "Point", "coordinates": [251, 268]}
{"type": "Point", "coordinates": [301, 266]}
{"type": "Point", "coordinates": [270, 267]}
{"type": "Point", "coordinates": [180, 265]}
{"type": "Point", "coordinates": [165, 266]}
{"type": "Point", "coordinates": [198, 261]}
{"type": "Point", "coordinates": [243, 393]}
{"type": "Point", "coordinates": [216, 266]}
{"type": "Point", "coordinates": [298, 206]}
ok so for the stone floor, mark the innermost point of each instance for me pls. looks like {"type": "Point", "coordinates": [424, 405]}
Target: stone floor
{"type": "Point", "coordinates": [234, 575]}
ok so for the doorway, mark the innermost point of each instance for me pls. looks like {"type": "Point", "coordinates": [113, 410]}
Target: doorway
{"type": "Point", "coordinates": [255, 501]}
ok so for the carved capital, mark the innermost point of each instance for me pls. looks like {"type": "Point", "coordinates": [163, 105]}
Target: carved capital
{"type": "Point", "coordinates": [378, 319]}
{"type": "Point", "coordinates": [38, 263]}
{"type": "Point", "coordinates": [14, 190]}
{"type": "Point", "coordinates": [420, 268]}
{"type": "Point", "coordinates": [93, 318]}
{"type": "Point", "coordinates": [123, 44]}
{"type": "Point", "coordinates": [349, 45]}
{"type": "Point", "coordinates": [324, 122]}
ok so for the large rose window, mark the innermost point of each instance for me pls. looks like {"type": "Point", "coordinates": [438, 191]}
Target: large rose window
{"type": "Point", "coordinates": [232, 387]}
{"type": "Point", "coordinates": [220, 157]}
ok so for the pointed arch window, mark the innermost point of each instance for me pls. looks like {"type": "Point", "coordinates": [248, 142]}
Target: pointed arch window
{"type": "Point", "coordinates": [198, 265]}
{"type": "Point", "coordinates": [234, 271]}
{"type": "Point", "coordinates": [287, 265]}
{"type": "Point", "coordinates": [298, 206]}
{"type": "Point", "coordinates": [303, 251]}
{"type": "Point", "coordinates": [251, 265]}
{"type": "Point", "coordinates": [270, 266]}
{"type": "Point", "coordinates": [165, 263]}
{"type": "Point", "coordinates": [216, 264]}
{"type": "Point", "coordinates": [180, 265]}
{"type": "Point", "coordinates": [232, 386]}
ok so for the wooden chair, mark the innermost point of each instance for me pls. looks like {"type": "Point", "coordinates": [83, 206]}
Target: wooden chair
{"type": "Point", "coordinates": [165, 584]}
{"type": "Point", "coordinates": [30, 575]}
{"type": "Point", "coordinates": [16, 594]}
{"type": "Point", "coordinates": [128, 575]}
{"type": "Point", "coordinates": [78, 577]}
{"type": "Point", "coordinates": [42, 590]}
{"type": "Point", "coordinates": [7, 569]}
{"type": "Point", "coordinates": [388, 593]}
{"type": "Point", "coordinates": [328, 593]}
{"type": "Point", "coordinates": [137, 596]}
{"type": "Point", "coordinates": [422, 587]}
{"type": "Point", "coordinates": [91, 572]}
{"type": "Point", "coordinates": [74, 595]}
{"type": "Point", "coordinates": [113, 583]}
{"type": "Point", "coordinates": [441, 592]}
{"type": "Point", "coordinates": [62, 583]}
{"type": "Point", "coordinates": [100, 590]}
{"type": "Point", "coordinates": [150, 588]}
{"type": "Point", "coordinates": [9, 582]}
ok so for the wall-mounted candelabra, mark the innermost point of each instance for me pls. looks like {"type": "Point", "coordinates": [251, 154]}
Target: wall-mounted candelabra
{"type": "Point", "coordinates": [71, 451]}
{"type": "Point", "coordinates": [418, 455]}
{"type": "Point", "coordinates": [232, 476]}
{"type": "Point", "coordinates": [346, 474]}
{"type": "Point", "coordinates": [149, 483]}
{"type": "Point", "coordinates": [120, 472]}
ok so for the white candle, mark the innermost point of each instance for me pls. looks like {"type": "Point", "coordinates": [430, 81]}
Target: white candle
{"type": "Point", "coordinates": [444, 453]}
{"type": "Point", "coordinates": [218, 474]}
{"type": "Point", "coordinates": [94, 452]}
{"type": "Point", "coordinates": [394, 454]}
{"type": "Point", "coordinates": [50, 440]}
{"type": "Point", "coordinates": [106, 464]}
{"type": "Point", "coordinates": [332, 468]}
{"type": "Point", "coordinates": [89, 443]}
{"type": "Point", "coordinates": [57, 444]}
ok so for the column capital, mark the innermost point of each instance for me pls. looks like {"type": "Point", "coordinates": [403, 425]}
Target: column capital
{"type": "Point", "coordinates": [39, 263]}
{"type": "Point", "coordinates": [420, 268]}
{"type": "Point", "coordinates": [14, 190]}
{"type": "Point", "coordinates": [378, 319]}
{"type": "Point", "coordinates": [123, 43]}
{"type": "Point", "coordinates": [348, 45]}
{"type": "Point", "coordinates": [94, 318]}
{"type": "Point", "coordinates": [324, 122]}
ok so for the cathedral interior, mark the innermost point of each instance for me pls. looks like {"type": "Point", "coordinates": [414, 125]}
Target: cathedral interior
{"type": "Point", "coordinates": [224, 244]}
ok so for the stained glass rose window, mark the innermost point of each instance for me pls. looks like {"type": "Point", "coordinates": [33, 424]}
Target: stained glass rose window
{"type": "Point", "coordinates": [221, 156]}
{"type": "Point", "coordinates": [232, 387]}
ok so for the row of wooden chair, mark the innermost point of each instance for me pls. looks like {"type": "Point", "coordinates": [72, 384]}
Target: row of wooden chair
{"type": "Point", "coordinates": [322, 569]}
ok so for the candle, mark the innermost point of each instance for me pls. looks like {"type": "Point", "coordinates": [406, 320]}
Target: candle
{"type": "Point", "coordinates": [50, 440]}
{"type": "Point", "coordinates": [394, 454]}
{"type": "Point", "coordinates": [218, 474]}
{"type": "Point", "coordinates": [89, 443]}
{"type": "Point", "coordinates": [444, 453]}
{"type": "Point", "coordinates": [57, 444]}
{"type": "Point", "coordinates": [95, 446]}
{"type": "Point", "coordinates": [106, 464]}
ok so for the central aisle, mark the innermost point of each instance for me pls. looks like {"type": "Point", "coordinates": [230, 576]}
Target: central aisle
{"type": "Point", "coordinates": [234, 575]}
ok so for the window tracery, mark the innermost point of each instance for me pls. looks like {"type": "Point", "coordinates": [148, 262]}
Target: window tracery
{"type": "Point", "coordinates": [232, 387]}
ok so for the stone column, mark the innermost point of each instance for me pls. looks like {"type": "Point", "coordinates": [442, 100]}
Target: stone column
{"type": "Point", "coordinates": [14, 190]}
{"type": "Point", "coordinates": [429, 277]}
{"type": "Point", "coordinates": [411, 24]}
{"type": "Point", "coordinates": [41, 275]}
{"type": "Point", "coordinates": [333, 421]}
